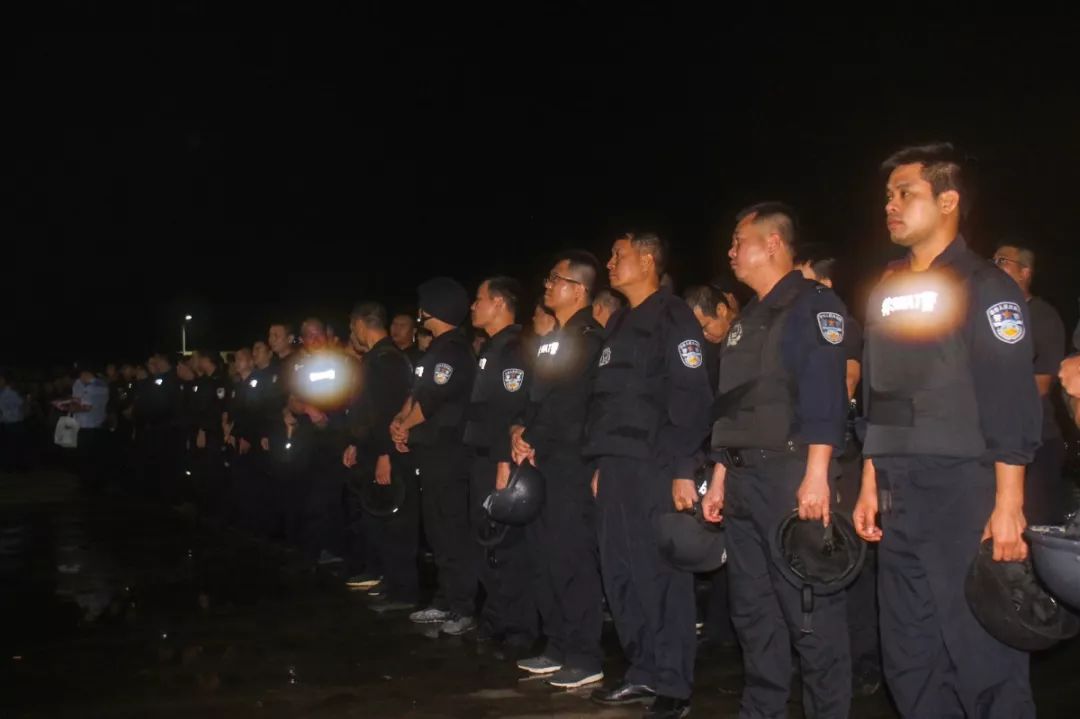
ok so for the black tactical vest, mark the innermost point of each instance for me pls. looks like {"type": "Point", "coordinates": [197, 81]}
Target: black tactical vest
{"type": "Point", "coordinates": [628, 402]}
{"type": "Point", "coordinates": [756, 395]}
{"type": "Point", "coordinates": [921, 394]}
{"type": "Point", "coordinates": [499, 355]}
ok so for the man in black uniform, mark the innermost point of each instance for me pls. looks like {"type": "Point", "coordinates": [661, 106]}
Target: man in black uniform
{"type": "Point", "coordinates": [403, 334]}
{"type": "Point", "coordinates": [715, 310]}
{"type": "Point", "coordinates": [781, 412]}
{"type": "Point", "coordinates": [562, 540]}
{"type": "Point", "coordinates": [648, 417]}
{"type": "Point", "coordinates": [207, 405]}
{"type": "Point", "coordinates": [605, 304]}
{"type": "Point", "coordinates": [818, 264]}
{"type": "Point", "coordinates": [1046, 498]}
{"type": "Point", "coordinates": [952, 419]}
{"type": "Point", "coordinates": [499, 393]}
{"type": "Point", "coordinates": [322, 383]}
{"type": "Point", "coordinates": [389, 543]}
{"type": "Point", "coordinates": [430, 426]}
{"type": "Point", "coordinates": [159, 437]}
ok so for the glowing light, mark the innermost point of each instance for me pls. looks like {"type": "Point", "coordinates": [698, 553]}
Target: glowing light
{"type": "Point", "coordinates": [320, 376]}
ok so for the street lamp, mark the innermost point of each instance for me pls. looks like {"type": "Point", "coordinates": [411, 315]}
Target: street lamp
{"type": "Point", "coordinates": [183, 334]}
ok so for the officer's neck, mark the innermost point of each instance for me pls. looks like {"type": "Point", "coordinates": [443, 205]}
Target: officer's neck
{"type": "Point", "coordinates": [923, 254]}
{"type": "Point", "coordinates": [496, 326]}
{"type": "Point", "coordinates": [565, 314]}
{"type": "Point", "coordinates": [245, 374]}
{"type": "Point", "coordinates": [640, 291]}
{"type": "Point", "coordinates": [770, 278]}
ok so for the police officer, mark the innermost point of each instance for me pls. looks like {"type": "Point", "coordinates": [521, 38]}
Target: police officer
{"type": "Point", "coordinates": [207, 403]}
{"type": "Point", "coordinates": [159, 436]}
{"type": "Point", "coordinates": [1046, 499]}
{"type": "Point", "coordinates": [952, 418]}
{"type": "Point", "coordinates": [781, 411]}
{"type": "Point", "coordinates": [266, 400]}
{"type": "Point", "coordinates": [605, 304]}
{"type": "Point", "coordinates": [499, 393]}
{"type": "Point", "coordinates": [715, 309]}
{"type": "Point", "coordinates": [649, 415]}
{"type": "Point", "coordinates": [818, 264]}
{"type": "Point", "coordinates": [322, 385]}
{"type": "Point", "coordinates": [430, 426]}
{"type": "Point", "coordinates": [243, 434]}
{"type": "Point", "coordinates": [388, 544]}
{"type": "Point", "coordinates": [562, 540]}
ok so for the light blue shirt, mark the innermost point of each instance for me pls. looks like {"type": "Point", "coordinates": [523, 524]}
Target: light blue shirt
{"type": "Point", "coordinates": [96, 396]}
{"type": "Point", "coordinates": [11, 406]}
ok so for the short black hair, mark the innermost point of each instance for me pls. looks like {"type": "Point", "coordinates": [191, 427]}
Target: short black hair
{"type": "Point", "coordinates": [610, 298]}
{"type": "Point", "coordinates": [780, 214]}
{"type": "Point", "coordinates": [508, 289]}
{"type": "Point", "coordinates": [406, 312]}
{"type": "Point", "coordinates": [315, 322]}
{"type": "Point", "coordinates": [942, 166]}
{"type": "Point", "coordinates": [706, 298]}
{"type": "Point", "coordinates": [289, 329]}
{"type": "Point", "coordinates": [651, 243]}
{"type": "Point", "coordinates": [583, 264]}
{"type": "Point", "coordinates": [372, 314]}
{"type": "Point", "coordinates": [821, 260]}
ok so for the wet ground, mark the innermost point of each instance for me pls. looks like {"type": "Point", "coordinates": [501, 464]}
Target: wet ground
{"type": "Point", "coordinates": [111, 607]}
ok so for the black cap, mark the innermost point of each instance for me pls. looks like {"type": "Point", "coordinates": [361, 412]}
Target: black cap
{"type": "Point", "coordinates": [444, 299]}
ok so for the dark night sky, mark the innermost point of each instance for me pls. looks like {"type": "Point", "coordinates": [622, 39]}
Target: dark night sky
{"type": "Point", "coordinates": [240, 177]}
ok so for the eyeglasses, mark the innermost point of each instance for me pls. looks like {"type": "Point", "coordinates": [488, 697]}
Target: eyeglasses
{"type": "Point", "coordinates": [1000, 261]}
{"type": "Point", "coordinates": [556, 277]}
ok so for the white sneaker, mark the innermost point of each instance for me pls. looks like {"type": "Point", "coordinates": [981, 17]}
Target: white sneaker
{"type": "Point", "coordinates": [539, 665]}
{"type": "Point", "coordinates": [431, 615]}
{"type": "Point", "coordinates": [574, 678]}
{"type": "Point", "coordinates": [457, 625]}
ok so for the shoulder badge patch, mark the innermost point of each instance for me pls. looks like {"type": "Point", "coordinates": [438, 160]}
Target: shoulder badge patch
{"type": "Point", "coordinates": [734, 334]}
{"type": "Point", "coordinates": [442, 373]}
{"type": "Point", "coordinates": [512, 379]}
{"type": "Point", "coordinates": [831, 326]}
{"type": "Point", "coordinates": [1006, 321]}
{"type": "Point", "coordinates": [605, 356]}
{"type": "Point", "coordinates": [690, 353]}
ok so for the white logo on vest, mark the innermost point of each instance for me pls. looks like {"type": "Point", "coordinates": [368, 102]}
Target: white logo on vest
{"type": "Point", "coordinates": [605, 356]}
{"type": "Point", "coordinates": [919, 302]}
{"type": "Point", "coordinates": [549, 349]}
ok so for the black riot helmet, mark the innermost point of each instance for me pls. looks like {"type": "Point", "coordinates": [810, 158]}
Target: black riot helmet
{"type": "Point", "coordinates": [1012, 606]}
{"type": "Point", "coordinates": [379, 500]}
{"type": "Point", "coordinates": [816, 559]}
{"type": "Point", "coordinates": [690, 542]}
{"type": "Point", "coordinates": [1055, 552]}
{"type": "Point", "coordinates": [521, 501]}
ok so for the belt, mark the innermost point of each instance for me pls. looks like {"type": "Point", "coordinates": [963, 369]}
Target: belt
{"type": "Point", "coordinates": [740, 458]}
